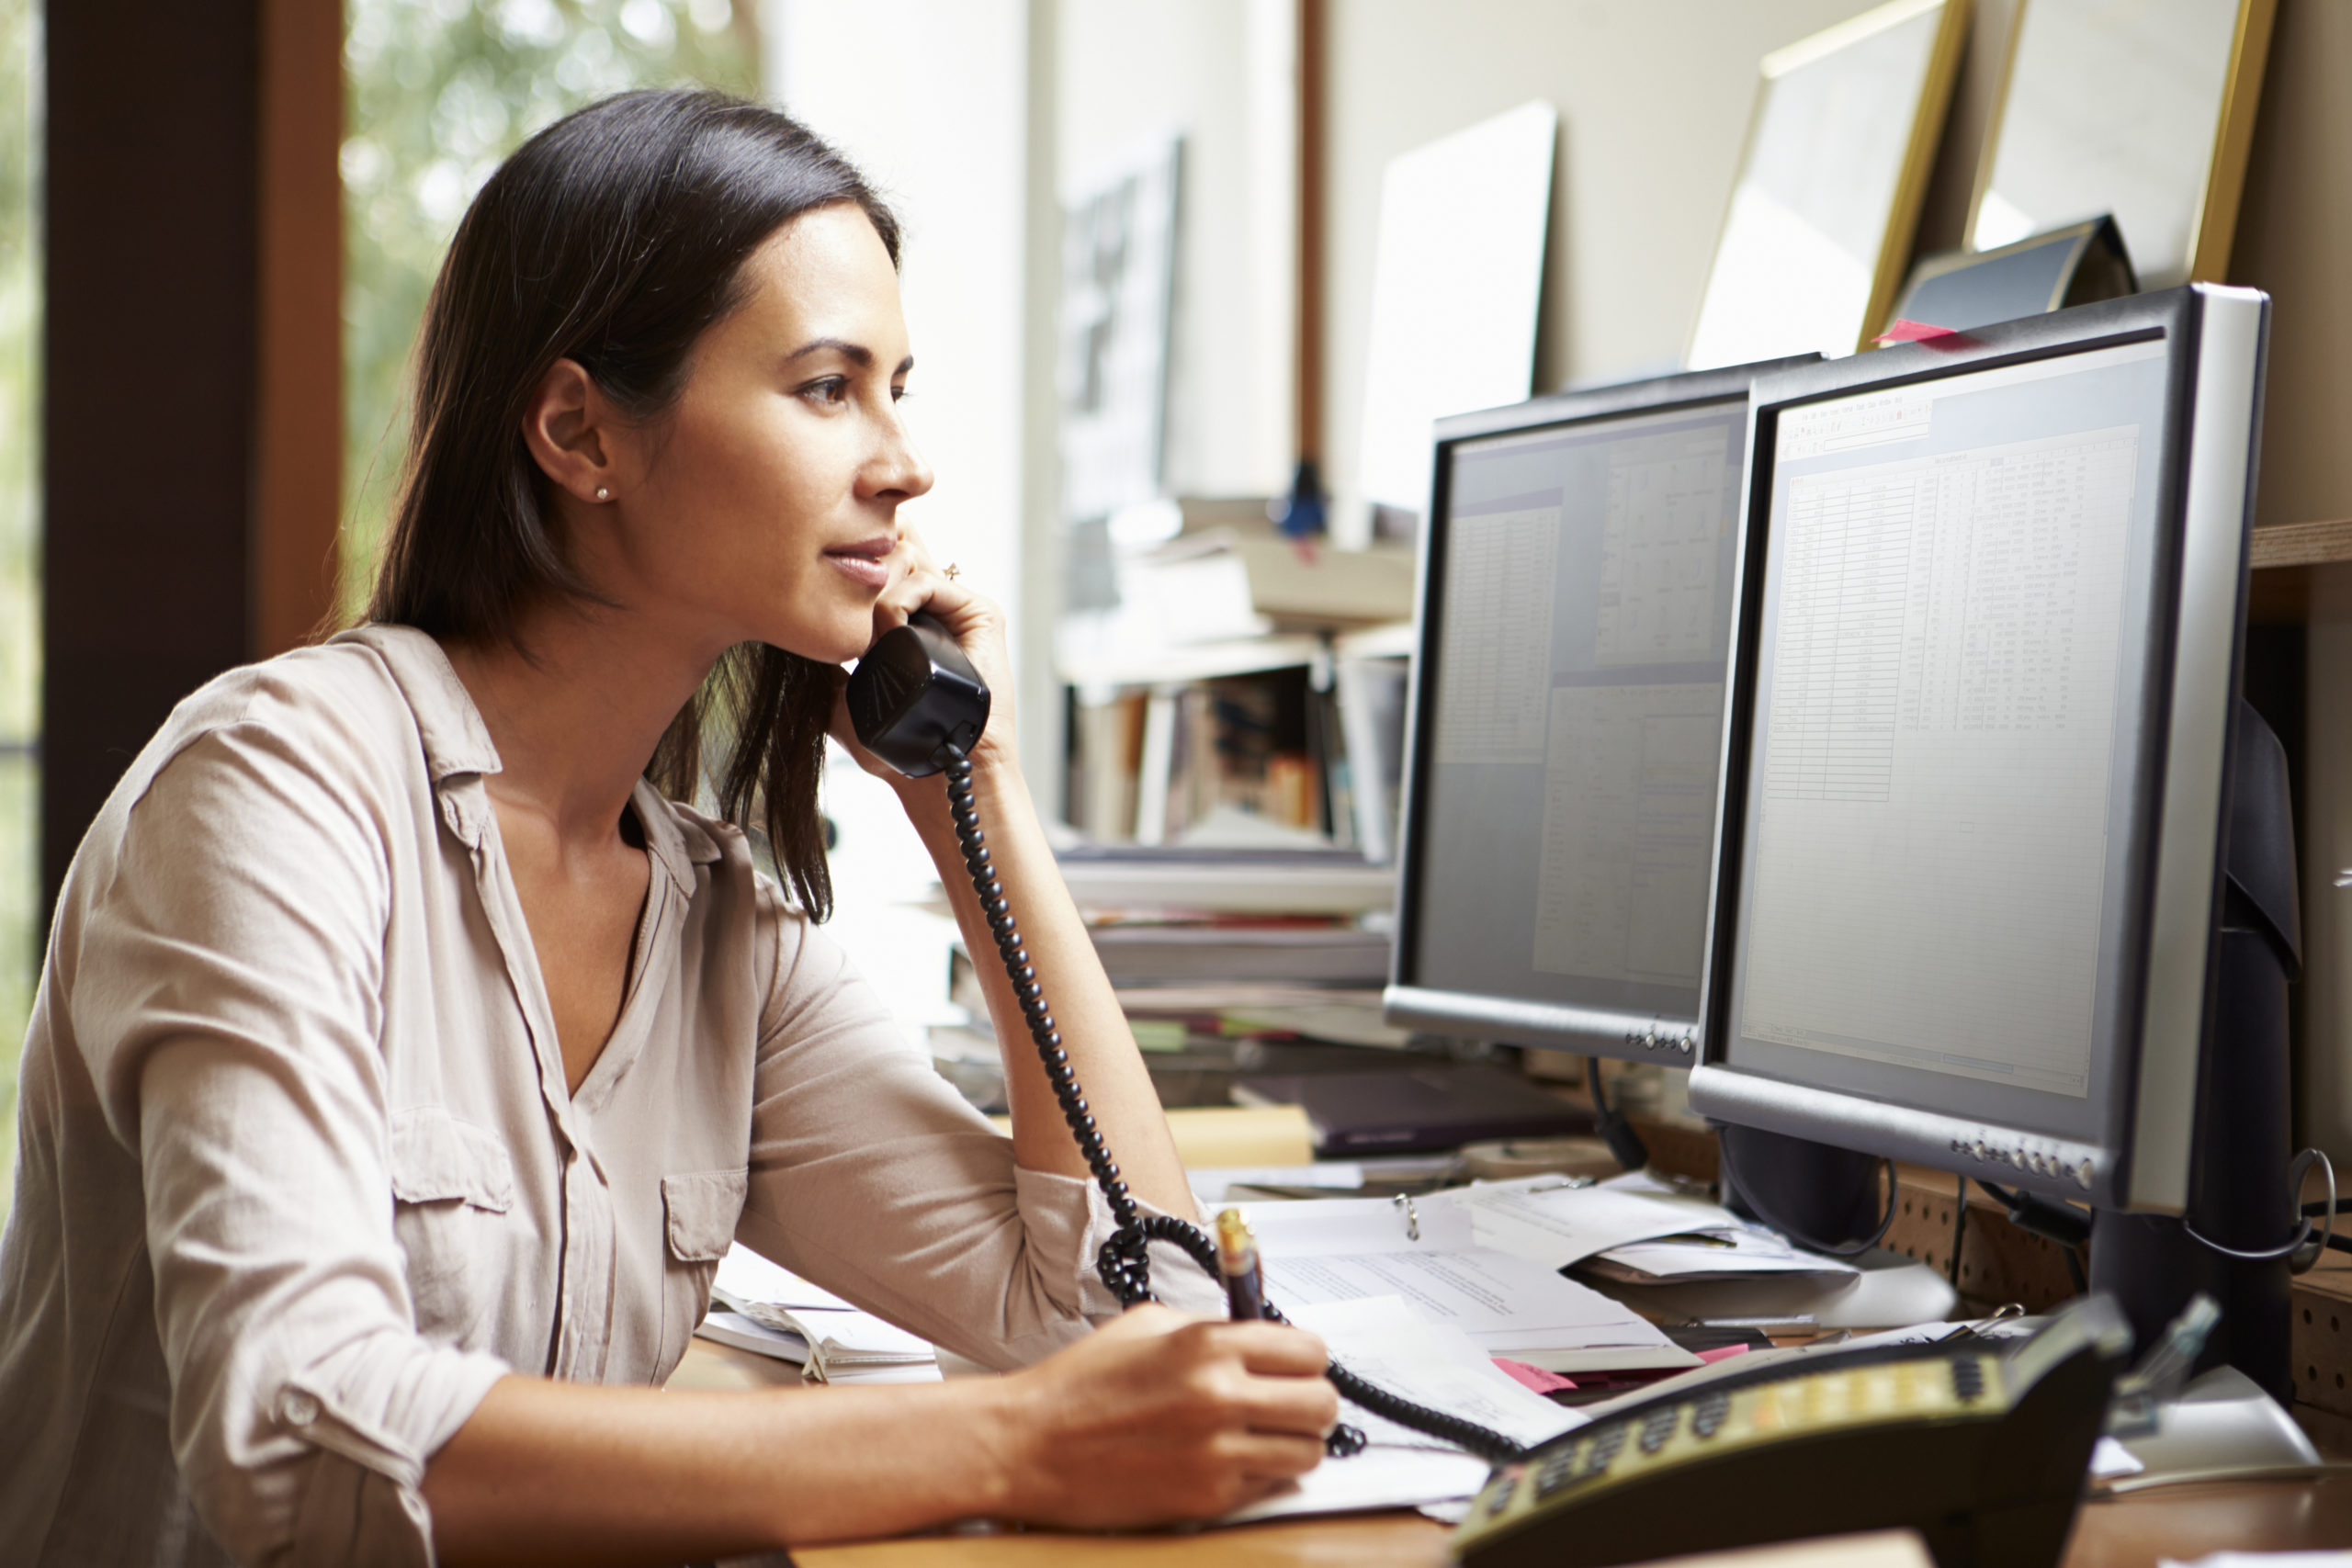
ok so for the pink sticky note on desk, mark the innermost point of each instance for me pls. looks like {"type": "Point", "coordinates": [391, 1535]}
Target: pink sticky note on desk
{"type": "Point", "coordinates": [1535, 1378]}
{"type": "Point", "coordinates": [1722, 1352]}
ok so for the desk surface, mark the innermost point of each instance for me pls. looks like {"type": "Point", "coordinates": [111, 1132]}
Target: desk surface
{"type": "Point", "coordinates": [2133, 1532]}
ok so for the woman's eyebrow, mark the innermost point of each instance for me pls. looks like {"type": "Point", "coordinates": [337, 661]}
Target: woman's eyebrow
{"type": "Point", "coordinates": [855, 353]}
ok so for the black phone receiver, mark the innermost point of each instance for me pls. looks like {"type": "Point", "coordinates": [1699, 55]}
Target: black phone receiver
{"type": "Point", "coordinates": [914, 699]}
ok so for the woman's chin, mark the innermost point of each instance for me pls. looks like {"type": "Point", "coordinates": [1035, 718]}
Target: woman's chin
{"type": "Point", "coordinates": [831, 644]}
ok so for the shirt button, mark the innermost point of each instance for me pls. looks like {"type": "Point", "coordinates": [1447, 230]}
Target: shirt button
{"type": "Point", "coordinates": [299, 1407]}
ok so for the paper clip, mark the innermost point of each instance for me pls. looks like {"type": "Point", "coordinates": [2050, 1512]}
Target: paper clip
{"type": "Point", "coordinates": [1412, 1217]}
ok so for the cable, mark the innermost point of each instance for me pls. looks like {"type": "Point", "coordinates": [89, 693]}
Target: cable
{"type": "Point", "coordinates": [1959, 1229]}
{"type": "Point", "coordinates": [2293, 1249]}
{"type": "Point", "coordinates": [1837, 1250]}
{"type": "Point", "coordinates": [1123, 1261]}
{"type": "Point", "coordinates": [2051, 1221]}
{"type": "Point", "coordinates": [1624, 1145]}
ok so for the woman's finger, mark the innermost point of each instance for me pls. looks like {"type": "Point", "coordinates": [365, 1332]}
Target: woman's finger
{"type": "Point", "coordinates": [1276, 1349]}
{"type": "Point", "coordinates": [1306, 1408]}
{"type": "Point", "coordinates": [1271, 1454]}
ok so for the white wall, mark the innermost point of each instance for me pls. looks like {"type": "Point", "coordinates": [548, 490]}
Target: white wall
{"type": "Point", "coordinates": [928, 99]}
{"type": "Point", "coordinates": [1654, 98]}
{"type": "Point", "coordinates": [1223, 73]}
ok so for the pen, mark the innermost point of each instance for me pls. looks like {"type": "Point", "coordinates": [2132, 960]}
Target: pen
{"type": "Point", "coordinates": [1236, 1262]}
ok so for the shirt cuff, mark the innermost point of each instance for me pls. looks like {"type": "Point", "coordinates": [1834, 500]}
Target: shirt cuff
{"type": "Point", "coordinates": [377, 1422]}
{"type": "Point", "coordinates": [1068, 1216]}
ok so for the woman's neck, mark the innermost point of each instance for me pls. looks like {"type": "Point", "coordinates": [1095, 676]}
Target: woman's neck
{"type": "Point", "coordinates": [576, 718]}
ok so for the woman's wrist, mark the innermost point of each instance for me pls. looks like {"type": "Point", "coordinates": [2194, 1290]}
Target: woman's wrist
{"type": "Point", "coordinates": [997, 781]}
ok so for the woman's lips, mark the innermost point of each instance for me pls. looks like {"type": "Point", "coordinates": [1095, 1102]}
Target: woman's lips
{"type": "Point", "coordinates": [866, 562]}
{"type": "Point", "coordinates": [871, 572]}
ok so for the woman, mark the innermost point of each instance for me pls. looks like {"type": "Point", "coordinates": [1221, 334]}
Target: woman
{"type": "Point", "coordinates": [404, 1059]}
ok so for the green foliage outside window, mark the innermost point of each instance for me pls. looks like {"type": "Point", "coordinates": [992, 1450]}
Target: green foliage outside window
{"type": "Point", "coordinates": [438, 93]}
{"type": "Point", "coordinates": [19, 551]}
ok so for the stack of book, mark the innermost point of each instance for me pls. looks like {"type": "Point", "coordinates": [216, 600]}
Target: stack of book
{"type": "Point", "coordinates": [774, 1312]}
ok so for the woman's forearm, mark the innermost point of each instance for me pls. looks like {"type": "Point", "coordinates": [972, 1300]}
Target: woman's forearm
{"type": "Point", "coordinates": [546, 1471]}
{"type": "Point", "coordinates": [1093, 1028]}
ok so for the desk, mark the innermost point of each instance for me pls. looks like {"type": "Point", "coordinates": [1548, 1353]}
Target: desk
{"type": "Point", "coordinates": [2132, 1531]}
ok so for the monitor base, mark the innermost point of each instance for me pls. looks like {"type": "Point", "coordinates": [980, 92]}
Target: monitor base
{"type": "Point", "coordinates": [2221, 1426]}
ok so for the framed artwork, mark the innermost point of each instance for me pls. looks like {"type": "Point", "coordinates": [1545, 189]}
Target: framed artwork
{"type": "Point", "coordinates": [2142, 108]}
{"type": "Point", "coordinates": [1823, 209]}
{"type": "Point", "coordinates": [1118, 285]}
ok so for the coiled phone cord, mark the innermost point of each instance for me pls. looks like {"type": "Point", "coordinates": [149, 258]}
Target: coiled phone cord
{"type": "Point", "coordinates": [1123, 1261]}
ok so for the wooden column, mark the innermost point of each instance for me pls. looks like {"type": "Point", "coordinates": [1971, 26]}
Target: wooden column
{"type": "Point", "coordinates": [191, 365]}
{"type": "Point", "coordinates": [1313, 54]}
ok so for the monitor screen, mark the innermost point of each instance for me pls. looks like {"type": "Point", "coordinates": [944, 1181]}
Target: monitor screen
{"type": "Point", "coordinates": [1571, 702]}
{"type": "Point", "coordinates": [1946, 820]}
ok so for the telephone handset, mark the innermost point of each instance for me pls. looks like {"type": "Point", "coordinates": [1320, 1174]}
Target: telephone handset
{"type": "Point", "coordinates": [916, 701]}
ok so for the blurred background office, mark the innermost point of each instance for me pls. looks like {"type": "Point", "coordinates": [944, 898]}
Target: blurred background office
{"type": "Point", "coordinates": [1145, 261]}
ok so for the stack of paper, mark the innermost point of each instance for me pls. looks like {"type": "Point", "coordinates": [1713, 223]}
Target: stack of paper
{"type": "Point", "coordinates": [1387, 1342]}
{"type": "Point", "coordinates": [1634, 1228]}
{"type": "Point", "coordinates": [835, 1342]}
{"type": "Point", "coordinates": [1338, 1250]}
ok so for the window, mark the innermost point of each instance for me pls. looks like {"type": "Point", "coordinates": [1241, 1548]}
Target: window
{"type": "Point", "coordinates": [20, 915]}
{"type": "Point", "coordinates": [437, 92]}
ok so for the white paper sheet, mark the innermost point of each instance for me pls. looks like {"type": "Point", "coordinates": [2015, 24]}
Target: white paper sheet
{"type": "Point", "coordinates": [1384, 1340]}
{"type": "Point", "coordinates": [1338, 1250]}
{"type": "Point", "coordinates": [1544, 1221]}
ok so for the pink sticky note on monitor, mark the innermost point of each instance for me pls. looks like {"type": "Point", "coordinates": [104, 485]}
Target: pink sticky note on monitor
{"type": "Point", "coordinates": [1906, 331]}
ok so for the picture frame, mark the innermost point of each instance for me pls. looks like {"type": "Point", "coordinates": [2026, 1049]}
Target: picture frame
{"type": "Point", "coordinates": [2145, 111]}
{"type": "Point", "coordinates": [1817, 232]}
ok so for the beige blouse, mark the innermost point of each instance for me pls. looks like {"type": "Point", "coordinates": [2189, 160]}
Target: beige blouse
{"type": "Point", "coordinates": [300, 1178]}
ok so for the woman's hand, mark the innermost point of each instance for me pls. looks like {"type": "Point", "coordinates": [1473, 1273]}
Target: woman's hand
{"type": "Point", "coordinates": [1159, 1417]}
{"type": "Point", "coordinates": [917, 583]}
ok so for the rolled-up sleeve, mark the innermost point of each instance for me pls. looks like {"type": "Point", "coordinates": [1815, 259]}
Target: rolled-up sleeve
{"type": "Point", "coordinates": [229, 1000]}
{"type": "Point", "coordinates": [872, 1175]}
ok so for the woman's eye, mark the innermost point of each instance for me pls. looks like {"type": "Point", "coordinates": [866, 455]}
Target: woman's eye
{"type": "Point", "coordinates": [897, 394]}
{"type": "Point", "coordinates": [830, 389]}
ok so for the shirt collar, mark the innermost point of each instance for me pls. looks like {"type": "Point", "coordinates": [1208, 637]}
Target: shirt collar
{"type": "Point", "coordinates": [458, 743]}
{"type": "Point", "coordinates": [456, 739]}
{"type": "Point", "coordinates": [675, 838]}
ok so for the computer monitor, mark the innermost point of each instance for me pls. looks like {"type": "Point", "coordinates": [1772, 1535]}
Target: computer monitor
{"type": "Point", "coordinates": [1565, 716]}
{"type": "Point", "coordinates": [1970, 861]}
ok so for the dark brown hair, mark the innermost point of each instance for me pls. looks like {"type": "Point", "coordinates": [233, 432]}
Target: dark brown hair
{"type": "Point", "coordinates": [614, 238]}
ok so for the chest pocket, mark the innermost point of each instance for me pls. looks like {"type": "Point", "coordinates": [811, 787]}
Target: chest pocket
{"type": "Point", "coordinates": [453, 1184]}
{"type": "Point", "coordinates": [698, 1214]}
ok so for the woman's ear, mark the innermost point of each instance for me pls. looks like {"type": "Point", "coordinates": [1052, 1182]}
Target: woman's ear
{"type": "Point", "coordinates": [574, 432]}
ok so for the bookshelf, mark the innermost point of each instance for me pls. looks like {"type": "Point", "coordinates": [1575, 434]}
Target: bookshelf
{"type": "Point", "coordinates": [1290, 740]}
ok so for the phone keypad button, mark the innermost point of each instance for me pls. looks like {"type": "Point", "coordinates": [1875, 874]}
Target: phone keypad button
{"type": "Point", "coordinates": [1559, 1468]}
{"type": "Point", "coordinates": [1708, 1418]}
{"type": "Point", "coordinates": [1967, 1378]}
{"type": "Point", "coordinates": [1659, 1425]}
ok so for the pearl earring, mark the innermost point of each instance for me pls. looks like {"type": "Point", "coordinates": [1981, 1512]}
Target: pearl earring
{"type": "Point", "coordinates": [603, 494]}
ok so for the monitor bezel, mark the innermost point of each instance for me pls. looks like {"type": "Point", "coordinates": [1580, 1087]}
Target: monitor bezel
{"type": "Point", "coordinates": [2215, 344]}
{"type": "Point", "coordinates": [1604, 1032]}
